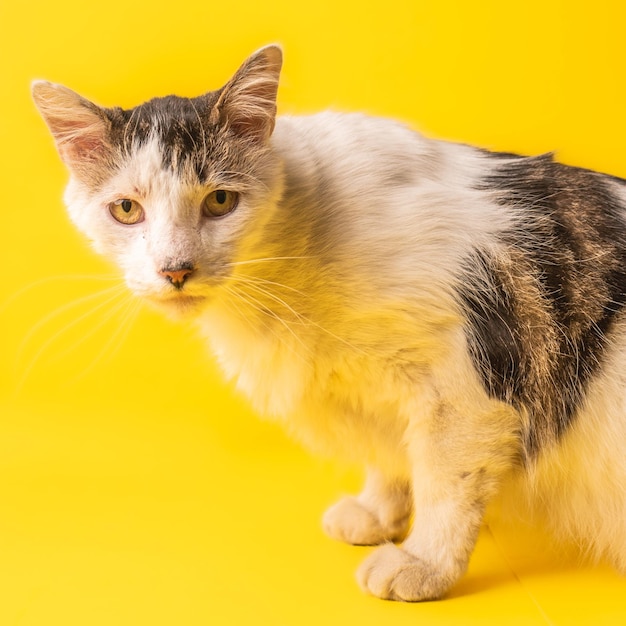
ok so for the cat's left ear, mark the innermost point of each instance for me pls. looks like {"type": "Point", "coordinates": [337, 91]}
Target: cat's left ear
{"type": "Point", "coordinates": [247, 103]}
{"type": "Point", "coordinates": [79, 127]}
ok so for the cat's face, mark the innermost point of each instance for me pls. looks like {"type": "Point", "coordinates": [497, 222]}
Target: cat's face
{"type": "Point", "coordinates": [175, 190]}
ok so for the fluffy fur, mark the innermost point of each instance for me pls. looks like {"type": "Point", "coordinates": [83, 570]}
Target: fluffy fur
{"type": "Point", "coordinates": [450, 318]}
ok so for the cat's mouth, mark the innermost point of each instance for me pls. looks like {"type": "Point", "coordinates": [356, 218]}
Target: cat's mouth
{"type": "Point", "coordinates": [180, 303]}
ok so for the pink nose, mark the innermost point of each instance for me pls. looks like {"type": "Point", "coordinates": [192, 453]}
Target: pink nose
{"type": "Point", "coordinates": [177, 276]}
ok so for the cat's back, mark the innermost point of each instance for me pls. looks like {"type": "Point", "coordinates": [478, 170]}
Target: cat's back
{"type": "Point", "coordinates": [341, 134]}
{"type": "Point", "coordinates": [355, 151]}
{"type": "Point", "coordinates": [377, 196]}
{"type": "Point", "coordinates": [401, 208]}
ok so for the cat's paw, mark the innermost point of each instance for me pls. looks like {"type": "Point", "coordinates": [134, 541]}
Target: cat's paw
{"type": "Point", "coordinates": [391, 573]}
{"type": "Point", "coordinates": [348, 520]}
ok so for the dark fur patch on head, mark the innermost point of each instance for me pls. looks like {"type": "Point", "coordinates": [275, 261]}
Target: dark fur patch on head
{"type": "Point", "coordinates": [542, 303]}
{"type": "Point", "coordinates": [198, 147]}
{"type": "Point", "coordinates": [180, 124]}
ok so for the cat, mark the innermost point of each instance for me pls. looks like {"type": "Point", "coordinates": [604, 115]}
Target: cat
{"type": "Point", "coordinates": [450, 318]}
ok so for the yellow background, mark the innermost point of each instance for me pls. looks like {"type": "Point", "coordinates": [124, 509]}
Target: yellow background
{"type": "Point", "coordinates": [135, 488]}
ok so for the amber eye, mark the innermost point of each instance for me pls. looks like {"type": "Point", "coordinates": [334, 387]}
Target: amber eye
{"type": "Point", "coordinates": [220, 202]}
{"type": "Point", "coordinates": [126, 211]}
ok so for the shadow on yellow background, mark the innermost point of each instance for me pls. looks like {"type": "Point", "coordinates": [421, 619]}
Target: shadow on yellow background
{"type": "Point", "coordinates": [135, 488]}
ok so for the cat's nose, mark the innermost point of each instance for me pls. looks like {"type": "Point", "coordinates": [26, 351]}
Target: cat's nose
{"type": "Point", "coordinates": [178, 274]}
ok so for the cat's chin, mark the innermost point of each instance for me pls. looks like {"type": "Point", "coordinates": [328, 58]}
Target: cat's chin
{"type": "Point", "coordinates": [180, 306]}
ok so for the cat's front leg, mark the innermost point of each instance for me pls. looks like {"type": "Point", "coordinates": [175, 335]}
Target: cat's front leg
{"type": "Point", "coordinates": [380, 513]}
{"type": "Point", "coordinates": [456, 465]}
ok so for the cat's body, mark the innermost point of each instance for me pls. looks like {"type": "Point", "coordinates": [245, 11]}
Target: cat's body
{"type": "Point", "coordinates": [451, 318]}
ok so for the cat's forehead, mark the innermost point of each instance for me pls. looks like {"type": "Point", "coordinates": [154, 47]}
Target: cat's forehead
{"type": "Point", "coordinates": [176, 136]}
{"type": "Point", "coordinates": [180, 126]}
{"type": "Point", "coordinates": [172, 118]}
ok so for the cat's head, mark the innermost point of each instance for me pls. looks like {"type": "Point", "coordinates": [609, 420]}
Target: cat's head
{"type": "Point", "coordinates": [173, 190]}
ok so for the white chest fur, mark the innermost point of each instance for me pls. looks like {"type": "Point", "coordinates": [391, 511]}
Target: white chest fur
{"type": "Point", "coordinates": [269, 368]}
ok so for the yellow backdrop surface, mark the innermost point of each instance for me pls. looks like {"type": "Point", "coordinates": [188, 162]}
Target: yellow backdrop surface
{"type": "Point", "coordinates": [135, 487]}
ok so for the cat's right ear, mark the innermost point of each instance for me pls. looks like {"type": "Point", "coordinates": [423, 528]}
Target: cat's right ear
{"type": "Point", "coordinates": [79, 127]}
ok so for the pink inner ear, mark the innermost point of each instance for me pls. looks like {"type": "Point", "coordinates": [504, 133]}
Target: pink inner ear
{"type": "Point", "coordinates": [85, 144]}
{"type": "Point", "coordinates": [79, 140]}
{"type": "Point", "coordinates": [258, 127]}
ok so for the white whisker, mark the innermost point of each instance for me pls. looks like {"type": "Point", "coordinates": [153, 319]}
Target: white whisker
{"type": "Point", "coordinates": [118, 337]}
{"type": "Point", "coordinates": [266, 260]}
{"type": "Point", "coordinates": [127, 126]}
{"type": "Point", "coordinates": [256, 304]}
{"type": "Point", "coordinates": [110, 313]}
{"type": "Point", "coordinates": [253, 179]}
{"type": "Point", "coordinates": [304, 320]}
{"type": "Point", "coordinates": [115, 292]}
{"type": "Point", "coordinates": [265, 281]}
{"type": "Point", "coordinates": [250, 282]}
{"type": "Point", "coordinates": [232, 303]}
{"type": "Point", "coordinates": [49, 279]}
{"type": "Point", "coordinates": [203, 133]}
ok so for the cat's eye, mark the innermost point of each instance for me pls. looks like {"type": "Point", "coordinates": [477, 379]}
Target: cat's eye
{"type": "Point", "coordinates": [126, 211]}
{"type": "Point", "coordinates": [220, 202]}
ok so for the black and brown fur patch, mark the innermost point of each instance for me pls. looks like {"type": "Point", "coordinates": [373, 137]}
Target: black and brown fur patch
{"type": "Point", "coordinates": [196, 148]}
{"type": "Point", "coordinates": [541, 303]}
{"type": "Point", "coordinates": [181, 126]}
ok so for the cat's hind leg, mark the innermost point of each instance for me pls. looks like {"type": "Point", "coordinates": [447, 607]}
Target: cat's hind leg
{"type": "Point", "coordinates": [380, 513]}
